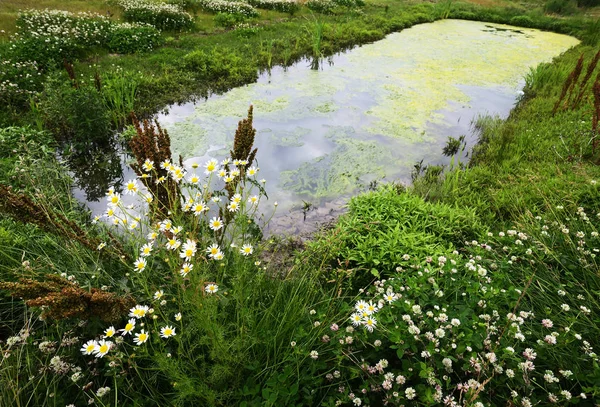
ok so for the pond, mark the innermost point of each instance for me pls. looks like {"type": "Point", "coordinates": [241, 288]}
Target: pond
{"type": "Point", "coordinates": [365, 116]}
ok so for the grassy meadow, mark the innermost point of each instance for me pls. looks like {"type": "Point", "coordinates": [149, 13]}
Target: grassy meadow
{"type": "Point", "coordinates": [477, 285]}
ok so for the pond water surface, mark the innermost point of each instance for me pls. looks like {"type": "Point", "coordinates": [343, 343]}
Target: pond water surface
{"type": "Point", "coordinates": [368, 115]}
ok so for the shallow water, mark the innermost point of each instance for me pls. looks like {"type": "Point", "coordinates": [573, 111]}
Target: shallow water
{"type": "Point", "coordinates": [370, 115]}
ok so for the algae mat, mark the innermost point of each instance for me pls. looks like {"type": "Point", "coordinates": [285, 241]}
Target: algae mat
{"type": "Point", "coordinates": [372, 112]}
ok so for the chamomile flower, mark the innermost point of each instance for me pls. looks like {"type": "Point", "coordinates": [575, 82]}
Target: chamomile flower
{"type": "Point", "coordinates": [167, 331]}
{"type": "Point", "coordinates": [110, 332]}
{"type": "Point", "coordinates": [165, 225]}
{"type": "Point", "coordinates": [212, 250]}
{"type": "Point", "coordinates": [173, 244]}
{"type": "Point", "coordinates": [211, 166]}
{"type": "Point", "coordinates": [361, 306]}
{"type": "Point", "coordinates": [246, 250]}
{"type": "Point", "coordinates": [222, 173]}
{"type": "Point", "coordinates": [218, 256]}
{"type": "Point", "coordinates": [178, 316]}
{"type": "Point", "coordinates": [189, 250]}
{"type": "Point", "coordinates": [148, 165]}
{"type": "Point", "coordinates": [234, 173]}
{"type": "Point", "coordinates": [89, 347]}
{"type": "Point", "coordinates": [215, 223]}
{"type": "Point", "coordinates": [356, 319]}
{"type": "Point", "coordinates": [176, 230]}
{"type": "Point", "coordinates": [236, 198]}
{"type": "Point", "coordinates": [253, 200]}
{"type": "Point", "coordinates": [153, 235]}
{"type": "Point", "coordinates": [228, 178]}
{"type": "Point", "coordinates": [370, 323]}
{"type": "Point", "coordinates": [102, 348]}
{"type": "Point", "coordinates": [114, 199]}
{"type": "Point", "coordinates": [146, 250]}
{"type": "Point", "coordinates": [159, 294]}
{"type": "Point", "coordinates": [185, 269]}
{"type": "Point", "coordinates": [233, 206]}
{"type": "Point", "coordinates": [131, 187]}
{"type": "Point", "coordinates": [165, 164]}
{"type": "Point", "coordinates": [139, 265]}
{"type": "Point", "coordinates": [390, 297]}
{"type": "Point", "coordinates": [141, 337]}
{"type": "Point", "coordinates": [199, 208]}
{"type": "Point", "coordinates": [129, 327]}
{"type": "Point", "coordinates": [194, 179]}
{"type": "Point", "coordinates": [211, 288]}
{"type": "Point", "coordinates": [371, 308]}
{"type": "Point", "coordinates": [252, 171]}
{"type": "Point", "coordinates": [139, 311]}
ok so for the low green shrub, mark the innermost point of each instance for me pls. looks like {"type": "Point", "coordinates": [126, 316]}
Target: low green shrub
{"type": "Point", "coordinates": [76, 114]}
{"type": "Point", "coordinates": [522, 21]}
{"type": "Point", "coordinates": [284, 6]}
{"type": "Point", "coordinates": [384, 225]}
{"type": "Point", "coordinates": [161, 15]}
{"type": "Point", "coordinates": [229, 20]}
{"type": "Point", "coordinates": [563, 7]}
{"type": "Point", "coordinates": [349, 3]}
{"type": "Point", "coordinates": [230, 7]}
{"type": "Point", "coordinates": [132, 38]}
{"type": "Point", "coordinates": [588, 3]}
{"type": "Point", "coordinates": [50, 37]}
{"type": "Point", "coordinates": [321, 6]}
{"type": "Point", "coordinates": [18, 82]}
{"type": "Point", "coordinates": [221, 66]}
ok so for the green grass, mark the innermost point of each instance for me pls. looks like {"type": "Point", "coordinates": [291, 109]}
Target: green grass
{"type": "Point", "coordinates": [236, 347]}
{"type": "Point", "coordinates": [533, 161]}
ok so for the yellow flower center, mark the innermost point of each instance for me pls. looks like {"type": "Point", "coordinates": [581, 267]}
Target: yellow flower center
{"type": "Point", "coordinates": [168, 332]}
{"type": "Point", "coordinates": [104, 348]}
{"type": "Point", "coordinates": [143, 337]}
{"type": "Point", "coordinates": [90, 348]}
{"type": "Point", "coordinates": [128, 327]}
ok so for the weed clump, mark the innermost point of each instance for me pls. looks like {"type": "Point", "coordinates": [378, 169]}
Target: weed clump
{"type": "Point", "coordinates": [60, 298]}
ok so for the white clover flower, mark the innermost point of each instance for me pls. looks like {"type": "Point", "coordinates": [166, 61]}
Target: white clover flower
{"type": "Point", "coordinates": [314, 354]}
{"type": "Point", "coordinates": [410, 393]}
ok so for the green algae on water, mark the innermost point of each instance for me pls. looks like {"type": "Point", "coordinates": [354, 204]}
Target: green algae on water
{"type": "Point", "coordinates": [375, 111]}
